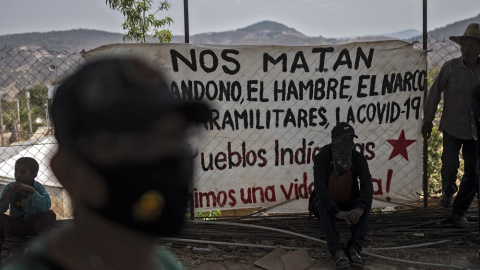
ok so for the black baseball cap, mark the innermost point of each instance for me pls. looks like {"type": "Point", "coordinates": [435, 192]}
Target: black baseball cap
{"type": "Point", "coordinates": [342, 130]}
{"type": "Point", "coordinates": [115, 95]}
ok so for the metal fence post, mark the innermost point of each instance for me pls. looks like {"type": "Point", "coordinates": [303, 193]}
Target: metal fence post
{"type": "Point", "coordinates": [425, 140]}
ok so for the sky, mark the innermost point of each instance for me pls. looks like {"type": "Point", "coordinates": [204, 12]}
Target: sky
{"type": "Point", "coordinates": [327, 18]}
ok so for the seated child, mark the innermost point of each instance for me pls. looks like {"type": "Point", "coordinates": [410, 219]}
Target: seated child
{"type": "Point", "coordinates": [29, 203]}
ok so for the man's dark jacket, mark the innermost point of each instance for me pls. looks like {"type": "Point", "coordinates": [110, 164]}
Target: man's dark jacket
{"type": "Point", "coordinates": [322, 168]}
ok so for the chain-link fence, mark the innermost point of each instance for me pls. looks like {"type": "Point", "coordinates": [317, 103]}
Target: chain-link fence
{"type": "Point", "coordinates": [439, 51]}
{"type": "Point", "coordinates": [27, 80]}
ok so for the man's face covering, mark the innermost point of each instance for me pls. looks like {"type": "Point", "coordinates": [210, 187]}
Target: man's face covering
{"type": "Point", "coordinates": [342, 155]}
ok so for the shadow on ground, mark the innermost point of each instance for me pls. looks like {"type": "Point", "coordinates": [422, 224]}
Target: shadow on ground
{"type": "Point", "coordinates": [411, 238]}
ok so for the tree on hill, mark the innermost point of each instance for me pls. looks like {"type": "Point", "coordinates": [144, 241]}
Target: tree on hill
{"type": "Point", "coordinates": [22, 117]}
{"type": "Point", "coordinates": [140, 22]}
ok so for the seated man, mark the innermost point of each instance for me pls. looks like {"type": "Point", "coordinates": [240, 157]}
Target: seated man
{"type": "Point", "coordinates": [337, 169]}
{"type": "Point", "coordinates": [28, 201]}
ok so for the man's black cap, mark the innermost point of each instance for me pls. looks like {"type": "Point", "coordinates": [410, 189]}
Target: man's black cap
{"type": "Point", "coordinates": [342, 130]}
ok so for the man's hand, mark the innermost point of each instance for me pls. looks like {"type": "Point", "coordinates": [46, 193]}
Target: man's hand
{"type": "Point", "coordinates": [343, 215]}
{"type": "Point", "coordinates": [427, 129]}
{"type": "Point", "coordinates": [355, 214]}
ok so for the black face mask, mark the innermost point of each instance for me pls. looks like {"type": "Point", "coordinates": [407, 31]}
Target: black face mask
{"type": "Point", "coordinates": [342, 156]}
{"type": "Point", "coordinates": [149, 197]}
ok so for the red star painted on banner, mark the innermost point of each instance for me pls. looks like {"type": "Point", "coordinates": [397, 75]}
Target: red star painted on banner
{"type": "Point", "coordinates": [400, 146]}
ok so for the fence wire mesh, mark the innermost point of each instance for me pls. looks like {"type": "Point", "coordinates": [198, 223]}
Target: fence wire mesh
{"type": "Point", "coordinates": [27, 81]}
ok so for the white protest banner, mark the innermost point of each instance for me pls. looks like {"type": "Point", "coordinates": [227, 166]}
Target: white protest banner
{"type": "Point", "coordinates": [275, 106]}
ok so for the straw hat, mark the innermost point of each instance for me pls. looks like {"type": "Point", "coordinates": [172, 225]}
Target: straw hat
{"type": "Point", "coordinates": [472, 31]}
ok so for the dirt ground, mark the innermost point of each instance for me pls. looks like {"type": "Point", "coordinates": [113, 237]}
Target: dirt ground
{"type": "Point", "coordinates": [224, 261]}
{"type": "Point", "coordinates": [414, 238]}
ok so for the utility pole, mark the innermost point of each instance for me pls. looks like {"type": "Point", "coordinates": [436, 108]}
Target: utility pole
{"type": "Point", "coordinates": [50, 92]}
{"type": "Point", "coordinates": [29, 113]}
{"type": "Point", "coordinates": [18, 109]}
{"type": "Point", "coordinates": [30, 132]}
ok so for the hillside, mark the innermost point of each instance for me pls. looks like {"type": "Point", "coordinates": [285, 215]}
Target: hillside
{"type": "Point", "coordinates": [453, 29]}
{"type": "Point", "coordinates": [70, 41]}
{"type": "Point", "coordinates": [268, 33]}
{"type": "Point", "coordinates": [61, 48]}
{"type": "Point", "coordinates": [262, 33]}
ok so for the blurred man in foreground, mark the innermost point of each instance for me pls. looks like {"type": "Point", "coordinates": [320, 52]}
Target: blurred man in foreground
{"type": "Point", "coordinates": [123, 159]}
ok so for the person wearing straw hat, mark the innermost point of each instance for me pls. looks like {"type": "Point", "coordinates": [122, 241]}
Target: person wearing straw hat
{"type": "Point", "coordinates": [455, 81]}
